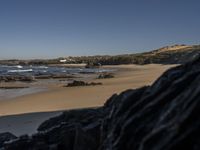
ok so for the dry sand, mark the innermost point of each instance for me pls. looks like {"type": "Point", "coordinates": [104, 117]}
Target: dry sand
{"type": "Point", "coordinates": [59, 98]}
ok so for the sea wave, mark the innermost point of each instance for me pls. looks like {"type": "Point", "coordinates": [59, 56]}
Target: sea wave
{"type": "Point", "coordinates": [19, 66]}
{"type": "Point", "coordinates": [25, 70]}
{"type": "Point", "coordinates": [11, 66]}
{"type": "Point", "coordinates": [39, 67]}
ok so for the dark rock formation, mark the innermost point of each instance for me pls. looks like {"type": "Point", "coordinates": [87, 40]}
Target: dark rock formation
{"type": "Point", "coordinates": [105, 76]}
{"type": "Point", "coordinates": [28, 78]}
{"type": "Point", "coordinates": [82, 83]}
{"type": "Point", "coordinates": [93, 65]}
{"type": "Point", "coordinates": [12, 78]}
{"type": "Point", "coordinates": [164, 116]}
{"type": "Point", "coordinates": [4, 137]}
{"type": "Point", "coordinates": [53, 76]}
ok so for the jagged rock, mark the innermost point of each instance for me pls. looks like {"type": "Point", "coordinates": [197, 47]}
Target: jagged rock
{"type": "Point", "coordinates": [11, 78]}
{"type": "Point", "coordinates": [164, 116]}
{"type": "Point", "coordinates": [93, 65]}
{"type": "Point", "coordinates": [82, 83]}
{"type": "Point", "coordinates": [75, 129]}
{"type": "Point", "coordinates": [5, 137]}
{"type": "Point", "coordinates": [105, 76]}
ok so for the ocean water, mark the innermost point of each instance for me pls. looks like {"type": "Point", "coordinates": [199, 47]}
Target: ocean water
{"type": "Point", "coordinates": [43, 70]}
{"type": "Point", "coordinates": [39, 70]}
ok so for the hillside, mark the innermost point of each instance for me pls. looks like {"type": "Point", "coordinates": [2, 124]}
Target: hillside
{"type": "Point", "coordinates": [176, 54]}
{"type": "Point", "coordinates": [174, 48]}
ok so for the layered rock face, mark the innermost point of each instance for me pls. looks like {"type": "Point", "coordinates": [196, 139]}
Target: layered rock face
{"type": "Point", "coordinates": [164, 116]}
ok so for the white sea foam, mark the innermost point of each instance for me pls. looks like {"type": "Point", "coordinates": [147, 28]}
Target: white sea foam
{"type": "Point", "coordinates": [39, 67]}
{"type": "Point", "coordinates": [20, 70]}
{"type": "Point", "coordinates": [43, 67]}
{"type": "Point", "coordinates": [18, 66]}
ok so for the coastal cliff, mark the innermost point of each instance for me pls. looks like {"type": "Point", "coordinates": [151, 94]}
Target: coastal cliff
{"type": "Point", "coordinates": [163, 116]}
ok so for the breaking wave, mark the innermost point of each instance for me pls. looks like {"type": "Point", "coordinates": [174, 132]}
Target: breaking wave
{"type": "Point", "coordinates": [25, 70]}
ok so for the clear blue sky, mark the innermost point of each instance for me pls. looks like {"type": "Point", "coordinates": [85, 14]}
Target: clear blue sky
{"type": "Point", "coordinates": [52, 28]}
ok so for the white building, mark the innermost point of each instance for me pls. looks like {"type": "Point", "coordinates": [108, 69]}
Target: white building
{"type": "Point", "coordinates": [63, 60]}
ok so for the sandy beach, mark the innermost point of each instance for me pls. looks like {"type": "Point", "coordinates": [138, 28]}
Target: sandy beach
{"type": "Point", "coordinates": [58, 98]}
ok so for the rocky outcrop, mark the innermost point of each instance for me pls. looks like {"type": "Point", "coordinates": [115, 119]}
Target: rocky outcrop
{"type": "Point", "coordinates": [82, 83]}
{"type": "Point", "coordinates": [164, 116]}
{"type": "Point", "coordinates": [13, 78]}
{"type": "Point", "coordinates": [28, 78]}
{"type": "Point", "coordinates": [105, 76]}
{"type": "Point", "coordinates": [54, 76]}
{"type": "Point", "coordinates": [4, 137]}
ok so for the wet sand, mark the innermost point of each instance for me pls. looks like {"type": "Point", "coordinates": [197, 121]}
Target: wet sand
{"type": "Point", "coordinates": [24, 123]}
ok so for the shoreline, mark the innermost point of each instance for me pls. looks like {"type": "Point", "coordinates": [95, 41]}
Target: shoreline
{"type": "Point", "coordinates": [25, 113]}
{"type": "Point", "coordinates": [57, 97]}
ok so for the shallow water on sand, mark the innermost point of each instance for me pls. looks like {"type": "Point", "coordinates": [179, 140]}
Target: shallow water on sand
{"type": "Point", "coordinates": [11, 93]}
{"type": "Point", "coordinates": [6, 70]}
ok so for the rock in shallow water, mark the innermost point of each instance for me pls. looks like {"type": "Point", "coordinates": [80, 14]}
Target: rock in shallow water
{"type": "Point", "coordinates": [164, 116]}
{"type": "Point", "coordinates": [82, 83]}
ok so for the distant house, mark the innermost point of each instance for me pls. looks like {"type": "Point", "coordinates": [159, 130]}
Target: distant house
{"type": "Point", "coordinates": [63, 60]}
